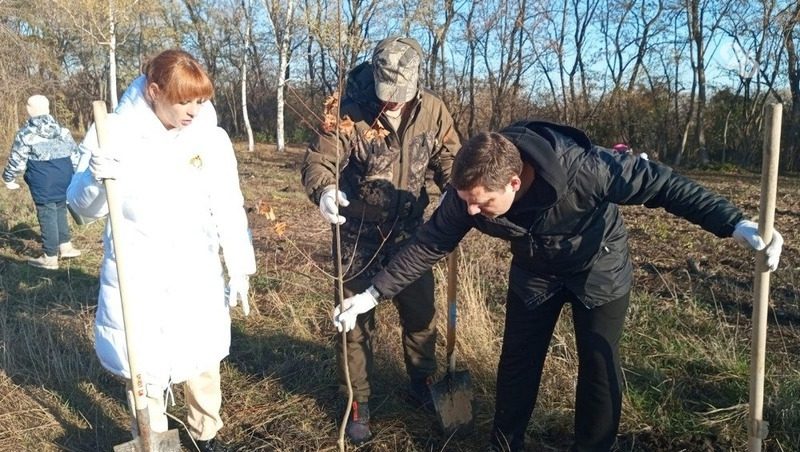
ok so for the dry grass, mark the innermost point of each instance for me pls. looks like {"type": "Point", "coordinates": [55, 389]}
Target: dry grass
{"type": "Point", "coordinates": [685, 351]}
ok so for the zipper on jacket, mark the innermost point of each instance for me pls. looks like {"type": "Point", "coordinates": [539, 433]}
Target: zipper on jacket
{"type": "Point", "coordinates": [401, 134]}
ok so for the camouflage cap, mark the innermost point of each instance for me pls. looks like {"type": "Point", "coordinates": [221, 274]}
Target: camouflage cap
{"type": "Point", "coordinates": [395, 66]}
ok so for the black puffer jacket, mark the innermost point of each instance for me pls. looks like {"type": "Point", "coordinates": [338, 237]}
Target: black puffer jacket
{"type": "Point", "coordinates": [566, 232]}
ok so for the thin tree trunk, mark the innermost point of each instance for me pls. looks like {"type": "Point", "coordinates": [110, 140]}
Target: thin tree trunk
{"type": "Point", "coordinates": [283, 37]}
{"type": "Point", "coordinates": [112, 57]}
{"type": "Point", "coordinates": [439, 38]}
{"type": "Point", "coordinates": [792, 144]}
{"type": "Point", "coordinates": [245, 47]}
{"type": "Point", "coordinates": [472, 45]}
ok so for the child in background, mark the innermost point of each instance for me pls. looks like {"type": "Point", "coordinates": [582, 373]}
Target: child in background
{"type": "Point", "coordinates": [46, 153]}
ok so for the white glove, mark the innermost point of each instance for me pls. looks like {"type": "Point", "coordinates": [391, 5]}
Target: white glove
{"type": "Point", "coordinates": [238, 287]}
{"type": "Point", "coordinates": [746, 233]}
{"type": "Point", "coordinates": [354, 306]}
{"type": "Point", "coordinates": [103, 166]}
{"type": "Point", "coordinates": [12, 185]}
{"type": "Point", "coordinates": [328, 207]}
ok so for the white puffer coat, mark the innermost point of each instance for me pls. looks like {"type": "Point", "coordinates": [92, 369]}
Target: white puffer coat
{"type": "Point", "coordinates": [181, 203]}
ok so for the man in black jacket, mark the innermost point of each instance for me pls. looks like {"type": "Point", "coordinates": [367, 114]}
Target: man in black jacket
{"type": "Point", "coordinates": [554, 196]}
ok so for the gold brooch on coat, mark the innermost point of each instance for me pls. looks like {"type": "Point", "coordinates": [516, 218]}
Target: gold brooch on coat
{"type": "Point", "coordinates": [196, 161]}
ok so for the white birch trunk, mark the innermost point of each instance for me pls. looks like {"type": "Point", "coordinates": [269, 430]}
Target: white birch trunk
{"type": "Point", "coordinates": [283, 40]}
{"type": "Point", "coordinates": [112, 57]}
{"type": "Point", "coordinates": [279, 121]}
{"type": "Point", "coordinates": [245, 115]}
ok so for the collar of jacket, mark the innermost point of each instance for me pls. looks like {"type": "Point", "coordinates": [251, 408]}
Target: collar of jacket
{"type": "Point", "coordinates": [543, 145]}
{"type": "Point", "coordinates": [135, 107]}
{"type": "Point", "coordinates": [44, 126]}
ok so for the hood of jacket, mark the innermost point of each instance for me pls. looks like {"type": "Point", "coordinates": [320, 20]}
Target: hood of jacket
{"type": "Point", "coordinates": [44, 126]}
{"type": "Point", "coordinates": [551, 149]}
{"type": "Point", "coordinates": [135, 106]}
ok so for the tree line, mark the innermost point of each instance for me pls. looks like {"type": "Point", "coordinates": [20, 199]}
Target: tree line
{"type": "Point", "coordinates": [684, 80]}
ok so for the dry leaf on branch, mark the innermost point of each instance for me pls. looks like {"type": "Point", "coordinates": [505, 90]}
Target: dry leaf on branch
{"type": "Point", "coordinates": [331, 102]}
{"type": "Point", "coordinates": [263, 208]}
{"type": "Point", "coordinates": [330, 112]}
{"type": "Point", "coordinates": [347, 125]}
{"type": "Point", "coordinates": [376, 132]}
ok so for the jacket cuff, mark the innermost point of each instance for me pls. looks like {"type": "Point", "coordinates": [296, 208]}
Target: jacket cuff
{"type": "Point", "coordinates": [731, 225]}
{"type": "Point", "coordinates": [376, 294]}
{"type": "Point", "coordinates": [317, 193]}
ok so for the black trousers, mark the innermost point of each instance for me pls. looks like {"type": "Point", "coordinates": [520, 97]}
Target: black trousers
{"type": "Point", "coordinates": [526, 340]}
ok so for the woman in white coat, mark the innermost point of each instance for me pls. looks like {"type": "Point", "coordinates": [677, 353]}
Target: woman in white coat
{"type": "Point", "coordinates": [178, 186]}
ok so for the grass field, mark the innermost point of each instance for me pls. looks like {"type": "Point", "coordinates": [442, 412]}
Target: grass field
{"type": "Point", "coordinates": [685, 350]}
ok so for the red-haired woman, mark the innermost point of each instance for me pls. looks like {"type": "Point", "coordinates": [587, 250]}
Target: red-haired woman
{"type": "Point", "coordinates": [178, 186]}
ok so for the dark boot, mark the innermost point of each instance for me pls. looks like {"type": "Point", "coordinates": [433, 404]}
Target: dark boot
{"type": "Point", "coordinates": [212, 445]}
{"type": "Point", "coordinates": [420, 391]}
{"type": "Point", "coordinates": [500, 442]}
{"type": "Point", "coordinates": [357, 429]}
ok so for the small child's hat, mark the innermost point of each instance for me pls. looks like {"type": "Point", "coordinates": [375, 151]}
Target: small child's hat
{"type": "Point", "coordinates": [38, 105]}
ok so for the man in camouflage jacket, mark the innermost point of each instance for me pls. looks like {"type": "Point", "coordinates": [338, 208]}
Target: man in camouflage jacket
{"type": "Point", "coordinates": [387, 133]}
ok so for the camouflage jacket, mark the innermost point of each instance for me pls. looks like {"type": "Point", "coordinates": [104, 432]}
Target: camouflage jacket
{"type": "Point", "coordinates": [382, 171]}
{"type": "Point", "coordinates": [47, 154]}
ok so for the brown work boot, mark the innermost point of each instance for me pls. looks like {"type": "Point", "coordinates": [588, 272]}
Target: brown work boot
{"type": "Point", "coordinates": [44, 261]}
{"type": "Point", "coordinates": [357, 429]}
{"type": "Point", "coordinates": [66, 250]}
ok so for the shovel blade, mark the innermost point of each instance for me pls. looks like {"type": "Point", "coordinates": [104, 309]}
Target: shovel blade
{"type": "Point", "coordinates": [452, 399]}
{"type": "Point", "coordinates": [161, 442]}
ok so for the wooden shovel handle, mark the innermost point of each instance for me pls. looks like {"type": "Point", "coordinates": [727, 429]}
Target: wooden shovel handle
{"type": "Point", "coordinates": [452, 289]}
{"type": "Point", "coordinates": [100, 111]}
{"type": "Point", "coordinates": [757, 427]}
{"type": "Point", "coordinates": [116, 219]}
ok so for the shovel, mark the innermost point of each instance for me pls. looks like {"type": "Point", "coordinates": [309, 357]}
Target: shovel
{"type": "Point", "coordinates": [147, 441]}
{"type": "Point", "coordinates": [452, 396]}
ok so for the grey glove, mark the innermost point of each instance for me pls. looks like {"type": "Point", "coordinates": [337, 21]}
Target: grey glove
{"type": "Point", "coordinates": [746, 233]}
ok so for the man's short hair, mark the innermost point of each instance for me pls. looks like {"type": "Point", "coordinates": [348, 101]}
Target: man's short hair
{"type": "Point", "coordinates": [395, 66]}
{"type": "Point", "coordinates": [488, 159]}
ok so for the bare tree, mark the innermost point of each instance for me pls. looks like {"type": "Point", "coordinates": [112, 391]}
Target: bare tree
{"type": "Point", "coordinates": [501, 46]}
{"type": "Point", "coordinates": [438, 37]}
{"type": "Point", "coordinates": [245, 49]}
{"type": "Point", "coordinates": [701, 34]}
{"type": "Point", "coordinates": [790, 23]}
{"type": "Point", "coordinates": [281, 16]}
{"type": "Point", "coordinates": [361, 14]}
{"type": "Point", "coordinates": [203, 27]}
{"type": "Point", "coordinates": [627, 28]}
{"type": "Point", "coordinates": [99, 20]}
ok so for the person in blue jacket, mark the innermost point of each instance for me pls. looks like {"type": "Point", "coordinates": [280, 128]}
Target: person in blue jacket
{"type": "Point", "coordinates": [555, 196]}
{"type": "Point", "coordinates": [46, 153]}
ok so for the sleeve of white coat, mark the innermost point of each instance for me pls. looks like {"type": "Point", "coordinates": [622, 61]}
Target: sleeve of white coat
{"type": "Point", "coordinates": [227, 205]}
{"type": "Point", "coordinates": [85, 195]}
